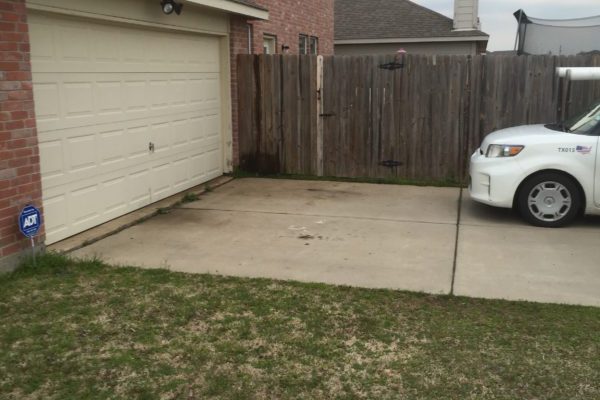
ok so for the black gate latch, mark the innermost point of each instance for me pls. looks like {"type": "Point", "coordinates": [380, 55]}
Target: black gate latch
{"type": "Point", "coordinates": [390, 163]}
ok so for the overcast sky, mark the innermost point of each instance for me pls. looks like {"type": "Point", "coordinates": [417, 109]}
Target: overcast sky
{"type": "Point", "coordinates": [498, 22]}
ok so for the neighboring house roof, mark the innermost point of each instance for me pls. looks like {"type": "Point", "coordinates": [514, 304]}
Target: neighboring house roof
{"type": "Point", "coordinates": [393, 19]}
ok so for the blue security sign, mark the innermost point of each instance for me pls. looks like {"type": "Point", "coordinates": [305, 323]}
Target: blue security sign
{"type": "Point", "coordinates": [30, 221]}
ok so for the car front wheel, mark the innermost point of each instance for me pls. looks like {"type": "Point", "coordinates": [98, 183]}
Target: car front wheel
{"type": "Point", "coordinates": [549, 200]}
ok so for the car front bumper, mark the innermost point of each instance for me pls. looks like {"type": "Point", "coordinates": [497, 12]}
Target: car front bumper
{"type": "Point", "coordinates": [494, 181]}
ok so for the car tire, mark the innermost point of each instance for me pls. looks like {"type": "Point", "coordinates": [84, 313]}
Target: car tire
{"type": "Point", "coordinates": [549, 200]}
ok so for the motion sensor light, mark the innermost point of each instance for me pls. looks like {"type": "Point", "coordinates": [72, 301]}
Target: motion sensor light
{"type": "Point", "coordinates": [168, 6]}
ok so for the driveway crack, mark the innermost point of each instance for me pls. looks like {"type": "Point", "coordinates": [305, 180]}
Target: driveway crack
{"type": "Point", "coordinates": [460, 197]}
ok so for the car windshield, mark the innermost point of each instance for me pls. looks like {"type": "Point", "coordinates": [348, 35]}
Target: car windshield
{"type": "Point", "coordinates": [585, 122]}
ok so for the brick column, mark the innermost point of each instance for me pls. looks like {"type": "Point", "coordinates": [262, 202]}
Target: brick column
{"type": "Point", "coordinates": [238, 43]}
{"type": "Point", "coordinates": [20, 182]}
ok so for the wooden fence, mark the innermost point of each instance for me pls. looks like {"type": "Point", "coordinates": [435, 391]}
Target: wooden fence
{"type": "Point", "coordinates": [349, 117]}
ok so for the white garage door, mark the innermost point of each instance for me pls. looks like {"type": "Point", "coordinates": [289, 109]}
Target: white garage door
{"type": "Point", "coordinates": [126, 116]}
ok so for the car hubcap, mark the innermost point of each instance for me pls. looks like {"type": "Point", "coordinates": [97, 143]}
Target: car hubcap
{"type": "Point", "coordinates": [549, 201]}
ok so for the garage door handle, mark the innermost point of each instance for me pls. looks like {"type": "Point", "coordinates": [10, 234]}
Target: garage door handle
{"type": "Point", "coordinates": [151, 147]}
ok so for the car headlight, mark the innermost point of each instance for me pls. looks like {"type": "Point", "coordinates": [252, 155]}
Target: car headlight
{"type": "Point", "coordinates": [503, 150]}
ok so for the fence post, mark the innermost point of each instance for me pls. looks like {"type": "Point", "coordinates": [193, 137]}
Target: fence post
{"type": "Point", "coordinates": [319, 115]}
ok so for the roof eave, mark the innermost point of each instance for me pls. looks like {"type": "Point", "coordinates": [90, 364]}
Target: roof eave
{"type": "Point", "coordinates": [234, 8]}
{"type": "Point", "coordinates": [475, 38]}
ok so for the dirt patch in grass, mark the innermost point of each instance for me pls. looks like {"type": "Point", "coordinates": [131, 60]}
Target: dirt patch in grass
{"type": "Point", "coordinates": [86, 330]}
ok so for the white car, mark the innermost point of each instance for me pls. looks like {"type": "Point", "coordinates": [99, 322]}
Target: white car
{"type": "Point", "coordinates": [550, 173]}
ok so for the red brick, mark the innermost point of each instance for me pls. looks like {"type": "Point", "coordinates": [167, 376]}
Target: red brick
{"type": "Point", "coordinates": [20, 95]}
{"type": "Point", "coordinates": [8, 240]}
{"type": "Point", "coordinates": [7, 26]}
{"type": "Point", "coordinates": [10, 85]}
{"type": "Point", "coordinates": [18, 124]}
{"type": "Point", "coordinates": [9, 46]}
{"type": "Point", "coordinates": [27, 188]}
{"type": "Point", "coordinates": [8, 6]}
{"type": "Point", "coordinates": [21, 182]}
{"type": "Point", "coordinates": [7, 193]}
{"type": "Point", "coordinates": [25, 152]}
{"type": "Point", "coordinates": [14, 248]}
{"type": "Point", "coordinates": [9, 17]}
{"type": "Point", "coordinates": [18, 162]}
{"type": "Point", "coordinates": [11, 37]}
{"type": "Point", "coordinates": [11, 105]}
{"type": "Point", "coordinates": [18, 75]}
{"type": "Point", "coordinates": [18, 114]}
{"type": "Point", "coordinates": [23, 133]}
{"type": "Point", "coordinates": [27, 170]}
{"type": "Point", "coordinates": [8, 173]}
{"type": "Point", "coordinates": [11, 56]}
{"type": "Point", "coordinates": [8, 230]}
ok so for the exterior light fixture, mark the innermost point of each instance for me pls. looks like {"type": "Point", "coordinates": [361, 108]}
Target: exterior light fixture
{"type": "Point", "coordinates": [168, 6]}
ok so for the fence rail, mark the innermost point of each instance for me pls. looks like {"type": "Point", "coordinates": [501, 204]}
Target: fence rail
{"type": "Point", "coordinates": [348, 117]}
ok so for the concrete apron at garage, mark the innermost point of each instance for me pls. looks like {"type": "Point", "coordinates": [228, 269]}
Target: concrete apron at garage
{"type": "Point", "coordinates": [377, 236]}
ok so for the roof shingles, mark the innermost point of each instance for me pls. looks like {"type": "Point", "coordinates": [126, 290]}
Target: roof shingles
{"type": "Point", "coordinates": [391, 19]}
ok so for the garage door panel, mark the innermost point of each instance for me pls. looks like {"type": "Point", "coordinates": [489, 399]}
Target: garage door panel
{"type": "Point", "coordinates": [84, 205]}
{"type": "Point", "coordinates": [138, 189]}
{"type": "Point", "coordinates": [110, 147]}
{"type": "Point", "coordinates": [81, 152]}
{"type": "Point", "coordinates": [80, 170]}
{"type": "Point", "coordinates": [77, 100]}
{"type": "Point", "coordinates": [111, 190]}
{"type": "Point", "coordinates": [90, 203]}
{"type": "Point", "coordinates": [52, 161]}
{"type": "Point", "coordinates": [56, 218]}
{"type": "Point", "coordinates": [65, 44]}
{"type": "Point", "coordinates": [47, 99]}
{"type": "Point", "coordinates": [74, 100]}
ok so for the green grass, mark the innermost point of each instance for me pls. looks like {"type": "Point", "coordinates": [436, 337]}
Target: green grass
{"type": "Point", "coordinates": [449, 182]}
{"type": "Point", "coordinates": [84, 330]}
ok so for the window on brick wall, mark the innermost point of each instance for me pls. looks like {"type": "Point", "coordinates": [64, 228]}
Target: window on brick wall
{"type": "Point", "coordinates": [269, 44]}
{"type": "Point", "coordinates": [314, 45]}
{"type": "Point", "coordinates": [303, 44]}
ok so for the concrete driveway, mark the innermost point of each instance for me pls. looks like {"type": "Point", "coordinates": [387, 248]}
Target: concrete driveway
{"type": "Point", "coordinates": [377, 236]}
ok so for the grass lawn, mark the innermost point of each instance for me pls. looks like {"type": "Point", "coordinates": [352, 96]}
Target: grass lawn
{"type": "Point", "coordinates": [79, 330]}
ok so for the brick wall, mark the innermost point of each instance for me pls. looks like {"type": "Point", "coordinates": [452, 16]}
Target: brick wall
{"type": "Point", "coordinates": [19, 156]}
{"type": "Point", "coordinates": [287, 20]}
{"type": "Point", "coordinates": [238, 45]}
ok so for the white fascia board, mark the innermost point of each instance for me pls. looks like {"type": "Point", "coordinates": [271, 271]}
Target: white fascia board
{"type": "Point", "coordinates": [233, 7]}
{"type": "Point", "coordinates": [413, 40]}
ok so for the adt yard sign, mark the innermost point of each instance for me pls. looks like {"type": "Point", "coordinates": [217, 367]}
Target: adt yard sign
{"type": "Point", "coordinates": [30, 221]}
